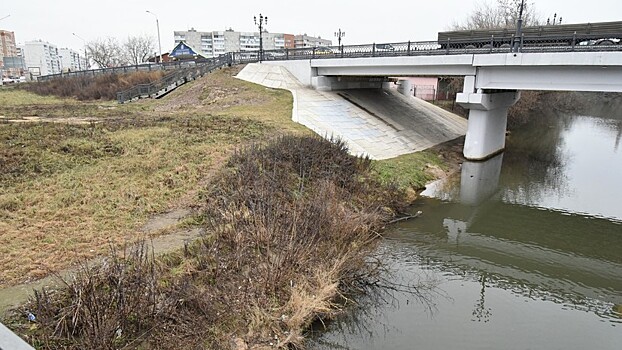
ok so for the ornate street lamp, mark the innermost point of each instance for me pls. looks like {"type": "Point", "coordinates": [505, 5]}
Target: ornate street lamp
{"type": "Point", "coordinates": [339, 35]}
{"type": "Point", "coordinates": [519, 28]}
{"type": "Point", "coordinates": [260, 23]}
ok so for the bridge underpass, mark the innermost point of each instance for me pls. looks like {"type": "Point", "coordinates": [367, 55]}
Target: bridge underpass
{"type": "Point", "coordinates": [380, 123]}
{"type": "Point", "coordinates": [492, 82]}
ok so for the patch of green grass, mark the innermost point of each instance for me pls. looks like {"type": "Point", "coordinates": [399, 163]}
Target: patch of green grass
{"type": "Point", "coordinates": [409, 170]}
{"type": "Point", "coordinates": [19, 97]}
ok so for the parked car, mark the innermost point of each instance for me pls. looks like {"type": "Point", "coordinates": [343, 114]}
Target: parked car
{"type": "Point", "coordinates": [323, 50]}
{"type": "Point", "coordinates": [384, 47]}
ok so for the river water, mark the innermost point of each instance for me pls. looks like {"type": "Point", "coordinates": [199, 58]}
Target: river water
{"type": "Point", "coordinates": [523, 251]}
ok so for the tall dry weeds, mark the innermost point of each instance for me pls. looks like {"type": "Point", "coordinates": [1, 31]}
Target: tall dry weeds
{"type": "Point", "coordinates": [290, 228]}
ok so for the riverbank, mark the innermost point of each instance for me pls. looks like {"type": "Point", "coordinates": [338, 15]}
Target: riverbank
{"type": "Point", "coordinates": [90, 185]}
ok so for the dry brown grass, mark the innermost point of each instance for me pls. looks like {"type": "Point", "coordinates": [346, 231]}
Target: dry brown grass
{"type": "Point", "coordinates": [67, 191]}
{"type": "Point", "coordinates": [290, 225]}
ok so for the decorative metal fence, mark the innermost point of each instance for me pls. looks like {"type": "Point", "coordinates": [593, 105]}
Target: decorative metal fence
{"type": "Point", "coordinates": [573, 43]}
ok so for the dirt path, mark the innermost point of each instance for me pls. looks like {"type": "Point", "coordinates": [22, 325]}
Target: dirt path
{"type": "Point", "coordinates": [11, 297]}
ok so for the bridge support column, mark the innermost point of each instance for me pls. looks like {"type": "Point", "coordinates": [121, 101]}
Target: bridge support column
{"type": "Point", "coordinates": [488, 116]}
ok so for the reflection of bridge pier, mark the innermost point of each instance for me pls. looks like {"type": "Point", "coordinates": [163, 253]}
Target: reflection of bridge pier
{"type": "Point", "coordinates": [479, 180]}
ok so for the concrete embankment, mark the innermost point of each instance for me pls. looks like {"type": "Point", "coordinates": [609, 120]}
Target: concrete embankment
{"type": "Point", "coordinates": [375, 122]}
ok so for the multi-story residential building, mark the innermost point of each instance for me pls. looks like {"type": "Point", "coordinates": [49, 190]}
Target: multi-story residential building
{"type": "Point", "coordinates": [215, 43]}
{"type": "Point", "coordinates": [289, 41]}
{"type": "Point", "coordinates": [8, 54]}
{"type": "Point", "coordinates": [70, 60]}
{"type": "Point", "coordinates": [42, 58]}
{"type": "Point", "coordinates": [305, 40]}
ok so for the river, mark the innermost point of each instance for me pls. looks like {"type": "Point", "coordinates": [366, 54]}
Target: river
{"type": "Point", "coordinates": [523, 251]}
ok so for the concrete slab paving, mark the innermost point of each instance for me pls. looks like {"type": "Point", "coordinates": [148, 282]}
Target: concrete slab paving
{"type": "Point", "coordinates": [390, 125]}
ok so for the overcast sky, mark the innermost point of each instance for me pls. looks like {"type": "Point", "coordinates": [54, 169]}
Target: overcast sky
{"type": "Point", "coordinates": [363, 21]}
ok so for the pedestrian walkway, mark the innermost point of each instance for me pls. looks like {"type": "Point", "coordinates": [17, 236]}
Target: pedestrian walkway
{"type": "Point", "coordinates": [378, 123]}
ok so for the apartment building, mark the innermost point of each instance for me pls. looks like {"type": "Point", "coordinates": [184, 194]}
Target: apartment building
{"type": "Point", "coordinates": [70, 60]}
{"type": "Point", "coordinates": [305, 40]}
{"type": "Point", "coordinates": [8, 55]}
{"type": "Point", "coordinates": [215, 43]}
{"type": "Point", "coordinates": [42, 58]}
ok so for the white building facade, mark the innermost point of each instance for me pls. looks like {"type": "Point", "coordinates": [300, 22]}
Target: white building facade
{"type": "Point", "coordinates": [215, 43]}
{"type": "Point", "coordinates": [42, 58]}
{"type": "Point", "coordinates": [70, 60]}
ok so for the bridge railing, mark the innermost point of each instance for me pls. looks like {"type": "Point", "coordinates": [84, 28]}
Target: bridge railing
{"type": "Point", "coordinates": [146, 67]}
{"type": "Point", "coordinates": [600, 42]}
{"type": "Point", "coordinates": [192, 70]}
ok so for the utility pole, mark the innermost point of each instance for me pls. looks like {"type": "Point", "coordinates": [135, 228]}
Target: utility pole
{"type": "Point", "coordinates": [158, 27]}
{"type": "Point", "coordinates": [262, 20]}
{"type": "Point", "coordinates": [86, 58]}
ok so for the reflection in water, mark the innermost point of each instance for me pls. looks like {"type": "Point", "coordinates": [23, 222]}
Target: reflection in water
{"type": "Point", "coordinates": [526, 246]}
{"type": "Point", "coordinates": [479, 180]}
{"type": "Point", "coordinates": [480, 311]}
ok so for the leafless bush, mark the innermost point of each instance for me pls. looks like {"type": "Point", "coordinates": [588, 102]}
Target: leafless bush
{"type": "Point", "coordinates": [103, 306]}
{"type": "Point", "coordinates": [98, 87]}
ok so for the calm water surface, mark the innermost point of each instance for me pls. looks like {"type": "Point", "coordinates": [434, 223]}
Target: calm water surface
{"type": "Point", "coordinates": [524, 250]}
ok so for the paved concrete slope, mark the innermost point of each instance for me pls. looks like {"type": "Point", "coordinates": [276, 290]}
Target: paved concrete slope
{"type": "Point", "coordinates": [378, 123]}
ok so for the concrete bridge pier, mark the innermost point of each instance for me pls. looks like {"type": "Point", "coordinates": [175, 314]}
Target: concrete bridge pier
{"type": "Point", "coordinates": [488, 116]}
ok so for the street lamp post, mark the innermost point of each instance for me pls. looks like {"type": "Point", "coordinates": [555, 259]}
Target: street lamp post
{"type": "Point", "coordinates": [519, 27]}
{"type": "Point", "coordinates": [262, 20]}
{"type": "Point", "coordinates": [339, 35]}
{"type": "Point", "coordinates": [158, 27]}
{"type": "Point", "coordinates": [86, 57]}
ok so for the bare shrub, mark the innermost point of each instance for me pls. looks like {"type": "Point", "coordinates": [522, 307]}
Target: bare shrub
{"type": "Point", "coordinates": [103, 306]}
{"type": "Point", "coordinates": [98, 87]}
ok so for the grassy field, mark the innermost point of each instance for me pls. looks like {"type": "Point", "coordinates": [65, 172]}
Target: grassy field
{"type": "Point", "coordinates": [79, 177]}
{"type": "Point", "coordinates": [75, 176]}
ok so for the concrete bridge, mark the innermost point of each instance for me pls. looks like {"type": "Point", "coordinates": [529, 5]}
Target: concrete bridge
{"type": "Point", "coordinates": [492, 80]}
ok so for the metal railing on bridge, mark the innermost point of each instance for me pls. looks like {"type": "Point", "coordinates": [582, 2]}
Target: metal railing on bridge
{"type": "Point", "coordinates": [573, 43]}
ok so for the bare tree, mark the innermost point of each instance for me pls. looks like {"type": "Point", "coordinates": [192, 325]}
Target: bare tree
{"type": "Point", "coordinates": [106, 52]}
{"type": "Point", "coordinates": [499, 14]}
{"type": "Point", "coordinates": [138, 48]}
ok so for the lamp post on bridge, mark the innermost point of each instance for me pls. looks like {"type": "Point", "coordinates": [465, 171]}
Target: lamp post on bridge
{"type": "Point", "coordinates": [339, 35]}
{"type": "Point", "coordinates": [519, 28]}
{"type": "Point", "coordinates": [86, 58]}
{"type": "Point", "coordinates": [262, 20]}
{"type": "Point", "coordinates": [158, 27]}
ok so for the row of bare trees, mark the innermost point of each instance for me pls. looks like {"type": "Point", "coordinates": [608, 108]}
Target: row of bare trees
{"type": "Point", "coordinates": [499, 14]}
{"type": "Point", "coordinates": [109, 52]}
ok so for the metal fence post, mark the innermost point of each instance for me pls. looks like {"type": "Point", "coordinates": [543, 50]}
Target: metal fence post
{"type": "Point", "coordinates": [287, 53]}
{"type": "Point", "coordinates": [448, 40]}
{"type": "Point", "coordinates": [341, 50]}
{"type": "Point", "coordinates": [574, 40]}
{"type": "Point", "coordinates": [408, 50]}
{"type": "Point", "coordinates": [492, 42]}
{"type": "Point", "coordinates": [522, 40]}
{"type": "Point", "coordinates": [373, 50]}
